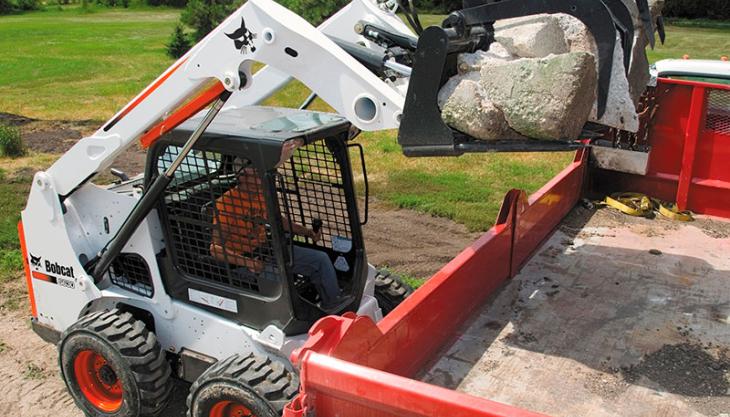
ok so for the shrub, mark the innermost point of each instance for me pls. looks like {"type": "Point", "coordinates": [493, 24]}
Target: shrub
{"type": "Point", "coordinates": [5, 6]}
{"type": "Point", "coordinates": [113, 3]}
{"type": "Point", "coordinates": [695, 9]}
{"type": "Point", "coordinates": [26, 5]}
{"type": "Point", "coordinates": [204, 15]}
{"type": "Point", "coordinates": [11, 143]}
{"type": "Point", "coordinates": [171, 3]}
{"type": "Point", "coordinates": [179, 43]}
{"type": "Point", "coordinates": [314, 11]}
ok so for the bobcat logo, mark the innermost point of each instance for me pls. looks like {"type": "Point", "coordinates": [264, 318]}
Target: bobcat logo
{"type": "Point", "coordinates": [243, 38]}
{"type": "Point", "coordinates": [35, 260]}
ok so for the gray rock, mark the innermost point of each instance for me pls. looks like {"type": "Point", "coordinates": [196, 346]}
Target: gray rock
{"type": "Point", "coordinates": [620, 108]}
{"type": "Point", "coordinates": [543, 98]}
{"type": "Point", "coordinates": [576, 34]}
{"type": "Point", "coordinates": [470, 62]}
{"type": "Point", "coordinates": [465, 108]}
{"type": "Point", "coordinates": [531, 38]}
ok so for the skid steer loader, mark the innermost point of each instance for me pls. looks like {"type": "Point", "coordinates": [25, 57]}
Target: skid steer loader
{"type": "Point", "coordinates": [158, 276]}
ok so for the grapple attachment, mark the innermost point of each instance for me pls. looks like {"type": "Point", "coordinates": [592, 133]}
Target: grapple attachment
{"type": "Point", "coordinates": [423, 132]}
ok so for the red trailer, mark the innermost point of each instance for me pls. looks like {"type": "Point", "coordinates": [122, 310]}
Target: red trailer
{"type": "Point", "coordinates": [560, 308]}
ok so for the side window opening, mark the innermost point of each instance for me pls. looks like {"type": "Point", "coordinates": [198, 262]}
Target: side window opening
{"type": "Point", "coordinates": [313, 183]}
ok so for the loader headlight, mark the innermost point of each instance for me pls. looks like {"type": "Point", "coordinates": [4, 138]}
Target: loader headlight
{"type": "Point", "coordinates": [288, 148]}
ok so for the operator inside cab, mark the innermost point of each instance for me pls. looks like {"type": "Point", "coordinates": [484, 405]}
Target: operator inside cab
{"type": "Point", "coordinates": [239, 232]}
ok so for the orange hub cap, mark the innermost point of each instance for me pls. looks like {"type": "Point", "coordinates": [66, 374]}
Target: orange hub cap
{"type": "Point", "coordinates": [98, 381]}
{"type": "Point", "coordinates": [230, 409]}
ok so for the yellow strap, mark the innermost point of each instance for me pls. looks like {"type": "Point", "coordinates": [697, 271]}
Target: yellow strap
{"type": "Point", "coordinates": [671, 211]}
{"type": "Point", "coordinates": [637, 204]}
{"type": "Point", "coordinates": [633, 204]}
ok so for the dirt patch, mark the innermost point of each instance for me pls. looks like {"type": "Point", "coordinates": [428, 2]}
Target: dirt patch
{"type": "Point", "coordinates": [652, 226]}
{"type": "Point", "coordinates": [685, 369]}
{"type": "Point", "coordinates": [58, 136]}
{"type": "Point", "coordinates": [605, 384]}
{"type": "Point", "coordinates": [413, 243]}
{"type": "Point", "coordinates": [717, 229]}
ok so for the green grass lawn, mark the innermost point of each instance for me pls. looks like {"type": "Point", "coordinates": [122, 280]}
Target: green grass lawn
{"type": "Point", "coordinates": [72, 64]}
{"type": "Point", "coordinates": [75, 65]}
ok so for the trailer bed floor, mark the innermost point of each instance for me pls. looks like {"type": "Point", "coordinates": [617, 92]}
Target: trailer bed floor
{"type": "Point", "coordinates": [614, 316]}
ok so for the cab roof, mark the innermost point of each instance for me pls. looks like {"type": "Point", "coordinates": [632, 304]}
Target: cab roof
{"type": "Point", "coordinates": [258, 132]}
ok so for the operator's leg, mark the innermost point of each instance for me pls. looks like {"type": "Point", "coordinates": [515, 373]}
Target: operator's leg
{"type": "Point", "coordinates": [317, 265]}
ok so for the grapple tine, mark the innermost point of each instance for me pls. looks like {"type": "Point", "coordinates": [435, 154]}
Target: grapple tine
{"type": "Point", "coordinates": [624, 25]}
{"type": "Point", "coordinates": [660, 29]}
{"type": "Point", "coordinates": [645, 14]}
{"type": "Point", "coordinates": [594, 14]}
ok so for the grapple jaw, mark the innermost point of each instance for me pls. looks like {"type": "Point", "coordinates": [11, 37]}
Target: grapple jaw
{"type": "Point", "coordinates": [423, 132]}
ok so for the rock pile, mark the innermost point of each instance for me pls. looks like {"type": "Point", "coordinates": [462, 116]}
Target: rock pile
{"type": "Point", "coordinates": [539, 80]}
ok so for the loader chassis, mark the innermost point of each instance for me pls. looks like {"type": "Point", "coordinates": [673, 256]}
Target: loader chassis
{"type": "Point", "coordinates": [200, 308]}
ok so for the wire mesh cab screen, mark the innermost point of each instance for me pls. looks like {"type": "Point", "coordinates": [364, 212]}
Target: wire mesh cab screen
{"type": "Point", "coordinates": [313, 185]}
{"type": "Point", "coordinates": [218, 224]}
{"type": "Point", "coordinates": [718, 111]}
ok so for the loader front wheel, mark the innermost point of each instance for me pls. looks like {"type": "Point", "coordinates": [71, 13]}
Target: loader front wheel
{"type": "Point", "coordinates": [114, 367]}
{"type": "Point", "coordinates": [390, 290]}
{"type": "Point", "coordinates": [243, 386]}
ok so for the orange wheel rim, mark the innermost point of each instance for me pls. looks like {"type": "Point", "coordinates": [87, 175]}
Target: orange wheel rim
{"type": "Point", "coordinates": [230, 409]}
{"type": "Point", "coordinates": [98, 381]}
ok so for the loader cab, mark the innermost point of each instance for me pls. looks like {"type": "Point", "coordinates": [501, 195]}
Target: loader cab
{"type": "Point", "coordinates": [224, 216]}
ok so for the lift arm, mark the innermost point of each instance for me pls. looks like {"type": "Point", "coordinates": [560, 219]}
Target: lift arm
{"type": "Point", "coordinates": [263, 31]}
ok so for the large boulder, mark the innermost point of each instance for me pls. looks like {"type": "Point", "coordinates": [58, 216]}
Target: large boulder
{"type": "Point", "coordinates": [531, 37]}
{"type": "Point", "coordinates": [543, 98]}
{"type": "Point", "coordinates": [483, 121]}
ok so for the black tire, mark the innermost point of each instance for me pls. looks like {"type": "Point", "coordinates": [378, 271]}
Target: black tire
{"type": "Point", "coordinates": [260, 384]}
{"type": "Point", "coordinates": [390, 290]}
{"type": "Point", "coordinates": [114, 367]}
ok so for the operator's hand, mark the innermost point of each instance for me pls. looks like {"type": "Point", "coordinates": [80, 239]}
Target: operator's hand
{"type": "Point", "coordinates": [315, 236]}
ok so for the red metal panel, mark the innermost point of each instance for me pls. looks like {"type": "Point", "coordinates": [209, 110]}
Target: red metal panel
{"type": "Point", "coordinates": [694, 128]}
{"type": "Point", "coordinates": [688, 162]}
{"type": "Point", "coordinates": [339, 388]}
{"type": "Point", "coordinates": [669, 127]}
{"type": "Point", "coordinates": [368, 378]}
{"type": "Point", "coordinates": [538, 216]}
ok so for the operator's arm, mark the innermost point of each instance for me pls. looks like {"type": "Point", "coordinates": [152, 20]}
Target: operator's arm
{"type": "Point", "coordinates": [300, 230]}
{"type": "Point", "coordinates": [223, 254]}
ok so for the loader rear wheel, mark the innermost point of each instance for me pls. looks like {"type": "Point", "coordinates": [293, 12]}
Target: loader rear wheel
{"type": "Point", "coordinates": [242, 386]}
{"type": "Point", "coordinates": [390, 290]}
{"type": "Point", "coordinates": [114, 367]}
